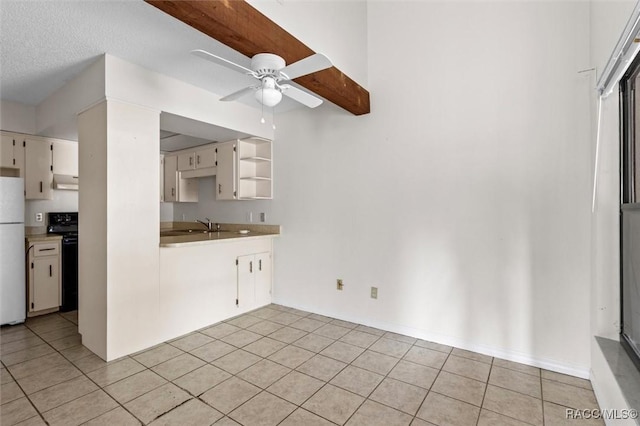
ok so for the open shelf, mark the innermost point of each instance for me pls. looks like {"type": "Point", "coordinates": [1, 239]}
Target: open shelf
{"type": "Point", "coordinates": [255, 178]}
{"type": "Point", "coordinates": [255, 169]}
{"type": "Point", "coordinates": [256, 159]}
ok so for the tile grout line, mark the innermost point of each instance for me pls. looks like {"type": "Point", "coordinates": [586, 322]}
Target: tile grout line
{"type": "Point", "coordinates": [100, 388]}
{"type": "Point", "coordinates": [542, 397]}
{"type": "Point", "coordinates": [486, 387]}
{"type": "Point", "coordinates": [287, 344]}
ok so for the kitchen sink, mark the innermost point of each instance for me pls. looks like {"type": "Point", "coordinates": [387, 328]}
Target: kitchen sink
{"type": "Point", "coordinates": [182, 232]}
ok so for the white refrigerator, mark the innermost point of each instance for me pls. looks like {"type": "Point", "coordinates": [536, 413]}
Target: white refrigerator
{"type": "Point", "coordinates": [13, 300]}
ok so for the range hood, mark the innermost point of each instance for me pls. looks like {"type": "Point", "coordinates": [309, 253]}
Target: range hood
{"type": "Point", "coordinates": [67, 182]}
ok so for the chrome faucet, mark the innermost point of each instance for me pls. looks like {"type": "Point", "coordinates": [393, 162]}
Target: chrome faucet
{"type": "Point", "coordinates": [208, 224]}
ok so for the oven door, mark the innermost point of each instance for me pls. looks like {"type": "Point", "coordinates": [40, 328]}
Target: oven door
{"type": "Point", "coordinates": [69, 273]}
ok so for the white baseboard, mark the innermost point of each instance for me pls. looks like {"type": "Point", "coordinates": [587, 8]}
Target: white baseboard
{"type": "Point", "coordinates": [547, 364]}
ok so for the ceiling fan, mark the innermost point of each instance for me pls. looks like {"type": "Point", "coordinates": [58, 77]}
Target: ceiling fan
{"type": "Point", "coordinates": [271, 70]}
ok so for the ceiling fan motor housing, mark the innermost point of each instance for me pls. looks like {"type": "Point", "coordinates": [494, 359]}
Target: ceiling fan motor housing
{"type": "Point", "coordinates": [267, 64]}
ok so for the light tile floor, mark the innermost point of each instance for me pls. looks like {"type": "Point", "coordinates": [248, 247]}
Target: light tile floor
{"type": "Point", "coordinates": [275, 365]}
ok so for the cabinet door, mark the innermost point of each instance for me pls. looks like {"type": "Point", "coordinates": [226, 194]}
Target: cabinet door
{"type": "Point", "coordinates": [186, 161]}
{"type": "Point", "coordinates": [161, 178]}
{"type": "Point", "coordinates": [65, 158]}
{"type": "Point", "coordinates": [226, 173]}
{"type": "Point", "coordinates": [6, 151]}
{"type": "Point", "coordinates": [206, 158]}
{"type": "Point", "coordinates": [246, 285]}
{"type": "Point", "coordinates": [38, 174]}
{"type": "Point", "coordinates": [12, 153]}
{"type": "Point", "coordinates": [46, 291]}
{"type": "Point", "coordinates": [263, 278]}
{"type": "Point", "coordinates": [170, 178]}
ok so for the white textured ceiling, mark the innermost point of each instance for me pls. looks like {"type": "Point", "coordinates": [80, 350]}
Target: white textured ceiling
{"type": "Point", "coordinates": [44, 44]}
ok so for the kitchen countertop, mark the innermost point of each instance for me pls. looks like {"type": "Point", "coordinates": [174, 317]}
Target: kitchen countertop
{"type": "Point", "coordinates": [34, 238]}
{"type": "Point", "coordinates": [228, 233]}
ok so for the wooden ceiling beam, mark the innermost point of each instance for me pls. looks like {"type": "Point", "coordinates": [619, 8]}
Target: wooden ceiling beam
{"type": "Point", "coordinates": [240, 26]}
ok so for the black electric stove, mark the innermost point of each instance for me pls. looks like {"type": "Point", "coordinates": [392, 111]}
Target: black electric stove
{"type": "Point", "coordinates": [66, 224]}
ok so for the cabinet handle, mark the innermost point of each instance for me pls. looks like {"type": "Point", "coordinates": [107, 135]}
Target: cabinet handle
{"type": "Point", "coordinates": [191, 161]}
{"type": "Point", "coordinates": [173, 191]}
{"type": "Point", "coordinates": [251, 267]}
{"type": "Point", "coordinates": [50, 270]}
{"type": "Point", "coordinates": [198, 159]}
{"type": "Point", "coordinates": [47, 249]}
{"type": "Point", "coordinates": [260, 265]}
{"type": "Point", "coordinates": [40, 186]}
{"type": "Point", "coordinates": [219, 188]}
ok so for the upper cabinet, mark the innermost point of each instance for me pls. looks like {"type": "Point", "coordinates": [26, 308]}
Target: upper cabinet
{"type": "Point", "coordinates": [38, 169]}
{"type": "Point", "coordinates": [197, 162]}
{"type": "Point", "coordinates": [225, 176]}
{"type": "Point", "coordinates": [186, 161]}
{"type": "Point", "coordinates": [12, 154]}
{"type": "Point", "coordinates": [65, 157]}
{"type": "Point", "coordinates": [206, 157]}
{"type": "Point", "coordinates": [37, 159]}
{"type": "Point", "coordinates": [243, 170]}
{"type": "Point", "coordinates": [176, 188]}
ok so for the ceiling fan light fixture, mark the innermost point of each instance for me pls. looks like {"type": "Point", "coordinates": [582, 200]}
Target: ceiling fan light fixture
{"type": "Point", "coordinates": [268, 96]}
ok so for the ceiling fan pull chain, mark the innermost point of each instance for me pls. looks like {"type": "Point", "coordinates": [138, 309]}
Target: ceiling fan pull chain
{"type": "Point", "coordinates": [262, 106]}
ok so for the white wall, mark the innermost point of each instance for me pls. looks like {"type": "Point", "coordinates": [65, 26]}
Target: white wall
{"type": "Point", "coordinates": [464, 196]}
{"type": "Point", "coordinates": [128, 82]}
{"type": "Point", "coordinates": [16, 117]}
{"type": "Point", "coordinates": [63, 201]}
{"type": "Point", "coordinates": [56, 115]}
{"type": "Point", "coordinates": [342, 35]}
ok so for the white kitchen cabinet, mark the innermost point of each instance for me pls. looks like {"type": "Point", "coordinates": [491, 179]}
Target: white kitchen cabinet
{"type": "Point", "coordinates": [12, 154]}
{"type": "Point", "coordinates": [186, 161]}
{"type": "Point", "coordinates": [226, 173]}
{"type": "Point", "coordinates": [65, 157]}
{"type": "Point", "coordinates": [44, 284]}
{"type": "Point", "coordinates": [170, 178]}
{"type": "Point", "coordinates": [202, 158]}
{"type": "Point", "coordinates": [254, 280]}
{"type": "Point", "coordinates": [38, 169]}
{"type": "Point", "coordinates": [206, 157]}
{"type": "Point", "coordinates": [177, 189]}
{"type": "Point", "coordinates": [245, 172]}
{"type": "Point", "coordinates": [161, 178]}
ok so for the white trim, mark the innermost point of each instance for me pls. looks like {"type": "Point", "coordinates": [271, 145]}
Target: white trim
{"type": "Point", "coordinates": [547, 364]}
{"type": "Point", "coordinates": [622, 56]}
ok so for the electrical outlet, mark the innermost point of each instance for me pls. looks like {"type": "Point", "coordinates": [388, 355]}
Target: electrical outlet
{"type": "Point", "coordinates": [339, 284]}
{"type": "Point", "coordinates": [249, 217]}
{"type": "Point", "coordinates": [263, 217]}
{"type": "Point", "coordinates": [38, 217]}
{"type": "Point", "coordinates": [374, 292]}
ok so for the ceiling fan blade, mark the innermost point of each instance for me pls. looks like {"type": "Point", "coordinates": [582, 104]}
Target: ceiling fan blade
{"type": "Point", "coordinates": [305, 66]}
{"type": "Point", "coordinates": [240, 93]}
{"type": "Point", "coordinates": [220, 61]}
{"type": "Point", "coordinates": [301, 96]}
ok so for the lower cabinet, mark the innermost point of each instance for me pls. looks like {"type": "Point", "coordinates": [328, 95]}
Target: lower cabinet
{"type": "Point", "coordinates": [44, 290]}
{"type": "Point", "coordinates": [254, 280]}
{"type": "Point", "coordinates": [202, 284]}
